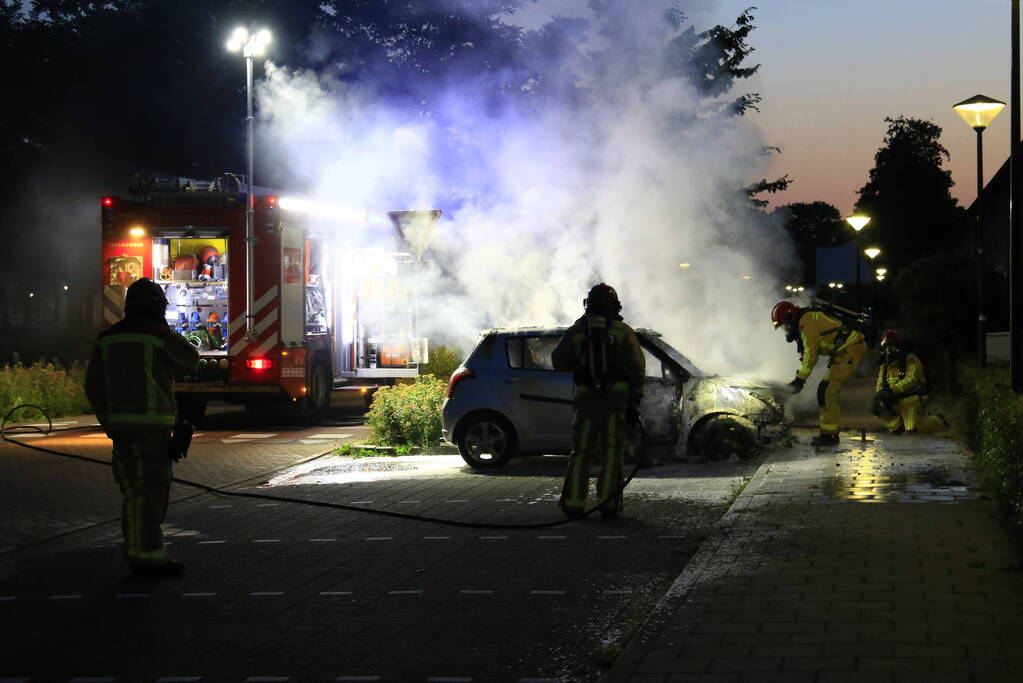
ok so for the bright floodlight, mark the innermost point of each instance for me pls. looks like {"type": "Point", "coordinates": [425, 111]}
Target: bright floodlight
{"type": "Point", "coordinates": [871, 252]}
{"type": "Point", "coordinates": [979, 111]}
{"type": "Point", "coordinates": [857, 221]}
{"type": "Point", "coordinates": [250, 44]}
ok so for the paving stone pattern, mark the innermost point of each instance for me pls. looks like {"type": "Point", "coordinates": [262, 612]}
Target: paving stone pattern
{"type": "Point", "coordinates": [878, 561]}
{"type": "Point", "coordinates": [278, 591]}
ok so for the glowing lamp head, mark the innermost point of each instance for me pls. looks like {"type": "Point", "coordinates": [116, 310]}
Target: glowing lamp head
{"type": "Point", "coordinates": [857, 221]}
{"type": "Point", "coordinates": [137, 231]}
{"type": "Point", "coordinates": [979, 111]}
{"type": "Point", "coordinates": [872, 252]}
{"type": "Point", "coordinates": [881, 271]}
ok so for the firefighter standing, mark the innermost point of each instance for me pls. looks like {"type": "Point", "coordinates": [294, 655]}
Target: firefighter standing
{"type": "Point", "coordinates": [816, 334]}
{"type": "Point", "coordinates": [130, 384]}
{"type": "Point", "coordinates": [607, 360]}
{"type": "Point", "coordinates": [901, 389]}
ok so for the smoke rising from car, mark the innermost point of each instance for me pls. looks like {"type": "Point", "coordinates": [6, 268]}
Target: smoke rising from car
{"type": "Point", "coordinates": [634, 181]}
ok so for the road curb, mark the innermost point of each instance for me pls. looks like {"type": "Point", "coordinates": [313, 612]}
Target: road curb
{"type": "Point", "coordinates": [636, 648]}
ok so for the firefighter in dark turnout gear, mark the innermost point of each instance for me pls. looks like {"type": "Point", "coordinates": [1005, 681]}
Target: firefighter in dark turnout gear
{"type": "Point", "coordinates": [130, 384]}
{"type": "Point", "coordinates": [818, 334]}
{"type": "Point", "coordinates": [607, 361]}
{"type": "Point", "coordinates": [901, 387]}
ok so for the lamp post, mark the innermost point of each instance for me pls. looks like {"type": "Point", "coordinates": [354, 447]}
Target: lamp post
{"type": "Point", "coordinates": [1015, 212]}
{"type": "Point", "coordinates": [978, 112]}
{"type": "Point", "coordinates": [251, 45]}
{"type": "Point", "coordinates": [857, 221]}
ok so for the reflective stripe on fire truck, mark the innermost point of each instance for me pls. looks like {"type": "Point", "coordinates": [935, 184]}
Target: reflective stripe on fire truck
{"type": "Point", "coordinates": [236, 335]}
{"type": "Point", "coordinates": [113, 305]}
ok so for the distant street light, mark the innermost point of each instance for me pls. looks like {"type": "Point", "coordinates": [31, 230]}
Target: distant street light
{"type": "Point", "coordinates": [978, 112]}
{"type": "Point", "coordinates": [881, 271]}
{"type": "Point", "coordinates": [872, 252]}
{"type": "Point", "coordinates": [251, 45]}
{"type": "Point", "coordinates": [857, 221]}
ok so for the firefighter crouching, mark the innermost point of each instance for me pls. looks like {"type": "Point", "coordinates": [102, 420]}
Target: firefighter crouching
{"type": "Point", "coordinates": [901, 387]}
{"type": "Point", "coordinates": [607, 361]}
{"type": "Point", "coordinates": [130, 384]}
{"type": "Point", "coordinates": [816, 334]}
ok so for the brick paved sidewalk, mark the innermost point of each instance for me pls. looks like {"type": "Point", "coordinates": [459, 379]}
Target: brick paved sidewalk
{"type": "Point", "coordinates": [877, 561]}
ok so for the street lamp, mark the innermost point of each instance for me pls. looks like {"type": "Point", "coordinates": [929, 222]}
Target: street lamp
{"type": "Point", "coordinates": [872, 252]}
{"type": "Point", "coordinates": [251, 45]}
{"type": "Point", "coordinates": [978, 112]}
{"type": "Point", "coordinates": [857, 221]}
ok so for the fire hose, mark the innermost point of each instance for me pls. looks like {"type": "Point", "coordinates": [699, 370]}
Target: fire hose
{"type": "Point", "coordinates": [5, 430]}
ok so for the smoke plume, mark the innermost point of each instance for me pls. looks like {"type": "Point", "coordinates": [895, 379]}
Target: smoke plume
{"type": "Point", "coordinates": [545, 196]}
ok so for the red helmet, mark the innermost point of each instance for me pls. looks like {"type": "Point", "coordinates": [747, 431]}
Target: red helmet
{"type": "Point", "coordinates": [603, 297]}
{"type": "Point", "coordinates": [891, 338]}
{"type": "Point", "coordinates": [783, 312]}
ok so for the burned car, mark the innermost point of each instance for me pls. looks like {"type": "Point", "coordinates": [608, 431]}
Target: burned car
{"type": "Point", "coordinates": [506, 399]}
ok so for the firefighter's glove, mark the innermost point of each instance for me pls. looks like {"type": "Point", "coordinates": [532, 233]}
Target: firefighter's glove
{"type": "Point", "coordinates": [632, 417]}
{"type": "Point", "coordinates": [796, 385]}
{"type": "Point", "coordinates": [884, 403]}
{"type": "Point", "coordinates": [180, 440]}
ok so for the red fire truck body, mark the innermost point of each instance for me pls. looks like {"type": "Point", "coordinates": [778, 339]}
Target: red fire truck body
{"type": "Point", "coordinates": [322, 316]}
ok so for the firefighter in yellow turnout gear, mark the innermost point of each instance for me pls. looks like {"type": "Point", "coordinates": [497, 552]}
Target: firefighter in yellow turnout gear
{"type": "Point", "coordinates": [818, 334]}
{"type": "Point", "coordinates": [130, 384]}
{"type": "Point", "coordinates": [901, 388]}
{"type": "Point", "coordinates": [607, 360]}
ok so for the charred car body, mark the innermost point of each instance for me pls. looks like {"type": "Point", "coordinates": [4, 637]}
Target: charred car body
{"type": "Point", "coordinates": [506, 399]}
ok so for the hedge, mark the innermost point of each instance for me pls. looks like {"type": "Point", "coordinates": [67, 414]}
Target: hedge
{"type": "Point", "coordinates": [57, 390]}
{"type": "Point", "coordinates": [408, 414]}
{"type": "Point", "coordinates": [994, 430]}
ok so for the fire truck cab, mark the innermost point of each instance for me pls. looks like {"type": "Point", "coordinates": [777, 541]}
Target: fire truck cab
{"type": "Point", "coordinates": [311, 313]}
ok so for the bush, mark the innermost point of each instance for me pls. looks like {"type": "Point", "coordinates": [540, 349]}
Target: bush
{"type": "Point", "coordinates": [408, 414]}
{"type": "Point", "coordinates": [57, 390]}
{"type": "Point", "coordinates": [994, 430]}
{"type": "Point", "coordinates": [444, 360]}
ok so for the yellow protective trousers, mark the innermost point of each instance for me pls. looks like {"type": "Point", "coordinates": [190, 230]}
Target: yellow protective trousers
{"type": "Point", "coordinates": [910, 416]}
{"type": "Point", "coordinates": [142, 469]}
{"type": "Point", "coordinates": [840, 369]}
{"type": "Point", "coordinates": [596, 437]}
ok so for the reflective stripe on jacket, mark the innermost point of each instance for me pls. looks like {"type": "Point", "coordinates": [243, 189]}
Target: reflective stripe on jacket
{"type": "Point", "coordinates": [909, 382]}
{"type": "Point", "coordinates": [820, 335]}
{"type": "Point", "coordinates": [130, 380]}
{"type": "Point", "coordinates": [570, 355]}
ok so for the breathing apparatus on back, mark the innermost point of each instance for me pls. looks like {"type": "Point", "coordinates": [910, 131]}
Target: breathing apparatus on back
{"type": "Point", "coordinates": [603, 361]}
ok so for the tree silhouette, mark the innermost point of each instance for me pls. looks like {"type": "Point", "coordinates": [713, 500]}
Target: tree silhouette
{"type": "Point", "coordinates": [908, 194]}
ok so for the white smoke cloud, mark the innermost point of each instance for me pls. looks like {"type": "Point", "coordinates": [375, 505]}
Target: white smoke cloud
{"type": "Point", "coordinates": [622, 188]}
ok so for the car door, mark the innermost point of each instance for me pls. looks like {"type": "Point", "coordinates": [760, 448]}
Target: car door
{"type": "Point", "coordinates": [539, 397]}
{"type": "Point", "coordinates": [661, 393]}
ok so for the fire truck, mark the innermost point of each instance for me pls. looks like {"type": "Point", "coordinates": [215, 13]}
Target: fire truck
{"type": "Point", "coordinates": [283, 312]}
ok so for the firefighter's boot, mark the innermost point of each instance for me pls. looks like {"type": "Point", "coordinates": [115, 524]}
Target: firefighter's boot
{"type": "Point", "coordinates": [824, 440]}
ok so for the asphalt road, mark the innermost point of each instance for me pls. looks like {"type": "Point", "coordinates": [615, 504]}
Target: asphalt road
{"type": "Point", "coordinates": [281, 590]}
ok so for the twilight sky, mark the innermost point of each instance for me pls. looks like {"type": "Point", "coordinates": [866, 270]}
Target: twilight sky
{"type": "Point", "coordinates": [833, 69]}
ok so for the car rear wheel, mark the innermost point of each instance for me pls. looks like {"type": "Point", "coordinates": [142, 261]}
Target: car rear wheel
{"type": "Point", "coordinates": [723, 436]}
{"type": "Point", "coordinates": [487, 442]}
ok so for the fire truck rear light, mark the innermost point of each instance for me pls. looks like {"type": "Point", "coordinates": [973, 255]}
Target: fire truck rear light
{"type": "Point", "coordinates": [456, 377]}
{"type": "Point", "coordinates": [259, 363]}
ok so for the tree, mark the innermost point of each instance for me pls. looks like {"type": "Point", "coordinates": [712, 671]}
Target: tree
{"type": "Point", "coordinates": [908, 194]}
{"type": "Point", "coordinates": [812, 225]}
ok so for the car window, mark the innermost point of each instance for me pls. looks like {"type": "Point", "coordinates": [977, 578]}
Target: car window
{"type": "Point", "coordinates": [537, 354]}
{"type": "Point", "coordinates": [515, 353]}
{"type": "Point", "coordinates": [531, 353]}
{"type": "Point", "coordinates": [653, 365]}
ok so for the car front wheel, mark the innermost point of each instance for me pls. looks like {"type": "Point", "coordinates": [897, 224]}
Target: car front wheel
{"type": "Point", "coordinates": [487, 442]}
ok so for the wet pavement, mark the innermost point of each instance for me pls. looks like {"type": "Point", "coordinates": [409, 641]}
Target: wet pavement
{"type": "Point", "coordinates": [880, 560]}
